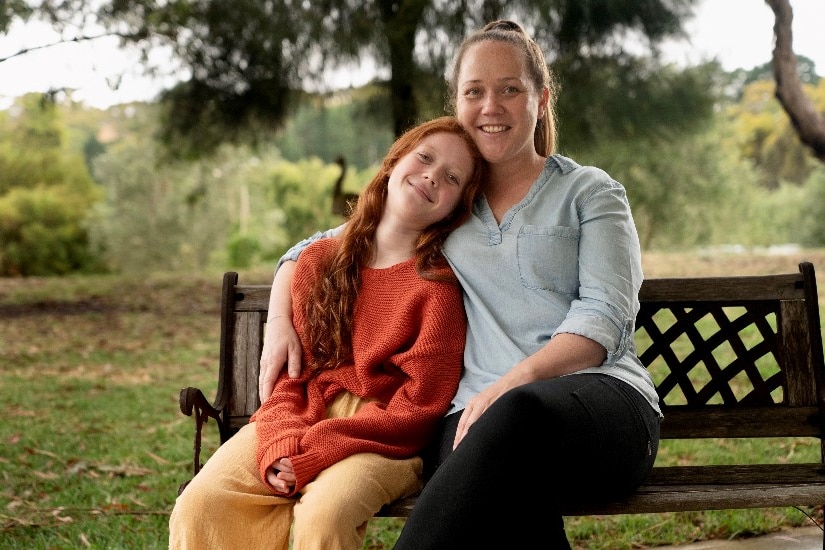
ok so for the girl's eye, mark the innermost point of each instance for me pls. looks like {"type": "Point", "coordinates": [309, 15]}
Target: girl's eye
{"type": "Point", "coordinates": [423, 157]}
{"type": "Point", "coordinates": [453, 178]}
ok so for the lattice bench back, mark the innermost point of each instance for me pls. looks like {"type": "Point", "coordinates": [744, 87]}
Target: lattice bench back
{"type": "Point", "coordinates": [752, 344]}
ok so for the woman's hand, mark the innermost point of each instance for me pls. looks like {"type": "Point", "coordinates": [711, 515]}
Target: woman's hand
{"type": "Point", "coordinates": [281, 347]}
{"type": "Point", "coordinates": [480, 403]}
{"type": "Point", "coordinates": [281, 343]}
{"type": "Point", "coordinates": [563, 354]}
{"type": "Point", "coordinates": [281, 475]}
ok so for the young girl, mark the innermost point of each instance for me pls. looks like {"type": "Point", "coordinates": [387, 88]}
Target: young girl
{"type": "Point", "coordinates": [380, 319]}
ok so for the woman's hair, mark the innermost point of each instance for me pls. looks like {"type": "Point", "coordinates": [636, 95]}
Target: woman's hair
{"type": "Point", "coordinates": [511, 33]}
{"type": "Point", "coordinates": [331, 301]}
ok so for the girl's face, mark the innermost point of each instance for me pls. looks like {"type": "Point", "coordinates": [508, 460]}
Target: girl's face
{"type": "Point", "coordinates": [496, 101]}
{"type": "Point", "coordinates": [426, 184]}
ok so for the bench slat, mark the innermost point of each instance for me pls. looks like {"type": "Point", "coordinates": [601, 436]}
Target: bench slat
{"type": "Point", "coordinates": [691, 488]}
{"type": "Point", "coordinates": [252, 297]}
{"type": "Point", "coordinates": [718, 421]}
{"type": "Point", "coordinates": [682, 498]}
{"type": "Point", "coordinates": [721, 289]}
{"type": "Point", "coordinates": [247, 347]}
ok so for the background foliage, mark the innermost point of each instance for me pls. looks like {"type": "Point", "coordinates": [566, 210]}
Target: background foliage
{"type": "Point", "coordinates": [249, 67]}
{"type": "Point", "coordinates": [239, 160]}
{"type": "Point", "coordinates": [85, 190]}
{"type": "Point", "coordinates": [45, 193]}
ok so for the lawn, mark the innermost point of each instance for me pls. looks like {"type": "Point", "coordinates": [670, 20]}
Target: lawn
{"type": "Point", "coordinates": [93, 445]}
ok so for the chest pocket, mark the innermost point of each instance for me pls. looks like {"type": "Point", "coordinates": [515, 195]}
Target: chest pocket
{"type": "Point", "coordinates": [548, 258]}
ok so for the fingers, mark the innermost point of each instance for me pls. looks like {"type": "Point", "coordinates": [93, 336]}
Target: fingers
{"type": "Point", "coordinates": [266, 379]}
{"type": "Point", "coordinates": [468, 417]}
{"type": "Point", "coordinates": [460, 432]}
{"type": "Point", "coordinates": [285, 466]}
{"type": "Point", "coordinates": [475, 408]}
{"type": "Point", "coordinates": [281, 481]}
{"type": "Point", "coordinates": [293, 366]}
{"type": "Point", "coordinates": [281, 347]}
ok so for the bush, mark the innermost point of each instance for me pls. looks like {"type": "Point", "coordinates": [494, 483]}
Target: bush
{"type": "Point", "coordinates": [243, 250]}
{"type": "Point", "coordinates": [42, 233]}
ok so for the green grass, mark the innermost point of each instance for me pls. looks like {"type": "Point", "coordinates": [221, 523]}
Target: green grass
{"type": "Point", "coordinates": [93, 445]}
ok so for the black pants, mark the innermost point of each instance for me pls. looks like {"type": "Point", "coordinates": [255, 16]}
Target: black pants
{"type": "Point", "coordinates": [583, 437]}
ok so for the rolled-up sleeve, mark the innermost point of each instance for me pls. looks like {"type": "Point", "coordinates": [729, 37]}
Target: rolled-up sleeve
{"type": "Point", "coordinates": [610, 272]}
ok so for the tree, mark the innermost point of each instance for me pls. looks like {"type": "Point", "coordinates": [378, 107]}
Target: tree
{"type": "Point", "coordinates": [13, 9]}
{"type": "Point", "coordinates": [766, 137]}
{"type": "Point", "coordinates": [808, 122]}
{"type": "Point", "coordinates": [250, 60]}
{"type": "Point", "coordinates": [45, 194]}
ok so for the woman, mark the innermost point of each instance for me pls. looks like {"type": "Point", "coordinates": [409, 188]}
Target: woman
{"type": "Point", "coordinates": [553, 405]}
{"type": "Point", "coordinates": [381, 326]}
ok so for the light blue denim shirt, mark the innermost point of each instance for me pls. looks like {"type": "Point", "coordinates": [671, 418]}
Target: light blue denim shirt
{"type": "Point", "coordinates": [566, 259]}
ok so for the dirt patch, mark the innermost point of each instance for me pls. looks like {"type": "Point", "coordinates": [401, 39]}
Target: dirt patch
{"type": "Point", "coordinates": [162, 295]}
{"type": "Point", "coordinates": [82, 307]}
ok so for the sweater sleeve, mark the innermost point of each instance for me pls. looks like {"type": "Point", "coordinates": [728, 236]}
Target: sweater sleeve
{"type": "Point", "coordinates": [284, 419]}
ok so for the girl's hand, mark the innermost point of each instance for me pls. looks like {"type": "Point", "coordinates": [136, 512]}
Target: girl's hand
{"type": "Point", "coordinates": [281, 475]}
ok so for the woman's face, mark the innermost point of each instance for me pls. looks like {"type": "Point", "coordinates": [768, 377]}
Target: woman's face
{"type": "Point", "coordinates": [426, 184]}
{"type": "Point", "coordinates": [496, 102]}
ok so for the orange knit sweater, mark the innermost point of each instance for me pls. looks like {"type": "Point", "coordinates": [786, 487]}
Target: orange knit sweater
{"type": "Point", "coordinates": [408, 341]}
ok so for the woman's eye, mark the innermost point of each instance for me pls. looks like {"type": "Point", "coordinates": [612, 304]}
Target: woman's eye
{"type": "Point", "coordinates": [453, 178]}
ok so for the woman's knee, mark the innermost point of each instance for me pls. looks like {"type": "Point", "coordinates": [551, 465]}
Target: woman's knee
{"type": "Point", "coordinates": [521, 409]}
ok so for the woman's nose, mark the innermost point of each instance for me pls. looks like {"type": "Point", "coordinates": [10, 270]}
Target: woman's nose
{"type": "Point", "coordinates": [490, 104]}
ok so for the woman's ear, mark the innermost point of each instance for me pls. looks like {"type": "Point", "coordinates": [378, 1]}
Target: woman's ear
{"type": "Point", "coordinates": [543, 100]}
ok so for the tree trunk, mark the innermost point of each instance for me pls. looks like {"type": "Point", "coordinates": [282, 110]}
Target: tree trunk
{"type": "Point", "coordinates": [401, 21]}
{"type": "Point", "coordinates": [808, 123]}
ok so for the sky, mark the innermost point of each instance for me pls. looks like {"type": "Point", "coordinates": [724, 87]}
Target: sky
{"type": "Point", "coordinates": [739, 33]}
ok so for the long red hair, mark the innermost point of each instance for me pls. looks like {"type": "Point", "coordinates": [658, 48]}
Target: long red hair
{"type": "Point", "coordinates": [331, 301]}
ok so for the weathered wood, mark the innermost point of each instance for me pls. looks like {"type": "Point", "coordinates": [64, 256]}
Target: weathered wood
{"type": "Point", "coordinates": [721, 289]}
{"type": "Point", "coordinates": [774, 385]}
{"type": "Point", "coordinates": [717, 421]}
{"type": "Point", "coordinates": [247, 345]}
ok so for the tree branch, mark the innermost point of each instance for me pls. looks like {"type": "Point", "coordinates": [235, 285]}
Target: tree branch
{"type": "Point", "coordinates": [81, 38]}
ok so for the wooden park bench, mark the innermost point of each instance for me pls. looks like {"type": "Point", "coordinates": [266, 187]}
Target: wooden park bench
{"type": "Point", "coordinates": [732, 357]}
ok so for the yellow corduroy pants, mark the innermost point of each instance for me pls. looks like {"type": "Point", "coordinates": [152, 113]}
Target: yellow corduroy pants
{"type": "Point", "coordinates": [226, 505]}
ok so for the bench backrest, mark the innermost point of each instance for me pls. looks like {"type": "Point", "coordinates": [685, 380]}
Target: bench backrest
{"type": "Point", "coordinates": [731, 356]}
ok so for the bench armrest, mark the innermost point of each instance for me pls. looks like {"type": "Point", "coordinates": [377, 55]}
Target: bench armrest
{"type": "Point", "coordinates": [194, 403]}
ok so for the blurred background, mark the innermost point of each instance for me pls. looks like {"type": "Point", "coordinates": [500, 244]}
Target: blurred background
{"type": "Point", "coordinates": [165, 136]}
